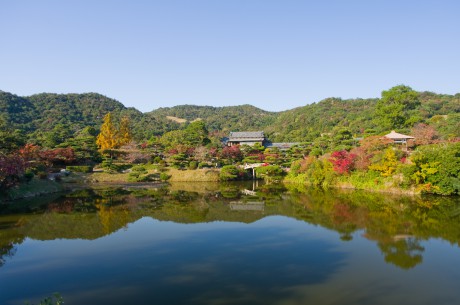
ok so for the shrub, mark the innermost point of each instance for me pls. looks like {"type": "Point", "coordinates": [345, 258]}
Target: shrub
{"type": "Point", "coordinates": [28, 175]}
{"type": "Point", "coordinates": [164, 176]}
{"type": "Point", "coordinates": [386, 164]}
{"type": "Point", "coordinates": [203, 165]}
{"type": "Point", "coordinates": [108, 166]}
{"type": "Point", "coordinates": [42, 175]}
{"type": "Point", "coordinates": [192, 165]}
{"type": "Point", "coordinates": [438, 168]}
{"type": "Point", "coordinates": [80, 169]}
{"type": "Point", "coordinates": [270, 173]}
{"type": "Point", "coordinates": [320, 173]}
{"type": "Point", "coordinates": [139, 169]}
{"type": "Point", "coordinates": [228, 172]}
{"type": "Point", "coordinates": [137, 177]}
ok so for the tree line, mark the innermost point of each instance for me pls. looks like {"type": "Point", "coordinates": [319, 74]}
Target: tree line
{"type": "Point", "coordinates": [336, 138]}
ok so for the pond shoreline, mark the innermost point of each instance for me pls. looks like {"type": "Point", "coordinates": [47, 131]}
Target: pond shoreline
{"type": "Point", "coordinates": [76, 181]}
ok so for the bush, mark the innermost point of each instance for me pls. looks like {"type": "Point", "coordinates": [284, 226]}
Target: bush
{"type": "Point", "coordinates": [139, 169]}
{"type": "Point", "coordinates": [321, 173]}
{"type": "Point", "coordinates": [80, 169]}
{"type": "Point", "coordinates": [229, 172]}
{"type": "Point", "coordinates": [136, 177]}
{"type": "Point", "coordinates": [42, 175]}
{"type": "Point", "coordinates": [108, 166]}
{"type": "Point", "coordinates": [204, 165]}
{"type": "Point", "coordinates": [270, 173]}
{"type": "Point", "coordinates": [193, 165]}
{"type": "Point", "coordinates": [28, 175]}
{"type": "Point", "coordinates": [437, 168]}
{"type": "Point", "coordinates": [164, 176]}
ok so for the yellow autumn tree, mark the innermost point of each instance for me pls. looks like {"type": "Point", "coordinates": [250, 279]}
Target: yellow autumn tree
{"type": "Point", "coordinates": [108, 137]}
{"type": "Point", "coordinates": [124, 132]}
{"type": "Point", "coordinates": [387, 166]}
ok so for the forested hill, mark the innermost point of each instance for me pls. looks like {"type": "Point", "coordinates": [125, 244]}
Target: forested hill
{"type": "Point", "coordinates": [231, 118]}
{"type": "Point", "coordinates": [358, 116]}
{"type": "Point", "coordinates": [67, 114]}
{"type": "Point", "coordinates": [45, 112]}
{"type": "Point", "coordinates": [47, 115]}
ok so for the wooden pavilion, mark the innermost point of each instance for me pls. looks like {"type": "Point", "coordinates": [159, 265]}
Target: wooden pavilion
{"type": "Point", "coordinates": [399, 138]}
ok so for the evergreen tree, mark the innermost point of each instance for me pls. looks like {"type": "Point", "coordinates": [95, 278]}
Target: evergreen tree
{"type": "Point", "coordinates": [393, 110]}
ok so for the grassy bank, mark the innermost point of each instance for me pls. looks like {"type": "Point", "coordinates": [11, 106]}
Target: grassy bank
{"type": "Point", "coordinates": [358, 181]}
{"type": "Point", "coordinates": [33, 188]}
{"type": "Point", "coordinates": [197, 175]}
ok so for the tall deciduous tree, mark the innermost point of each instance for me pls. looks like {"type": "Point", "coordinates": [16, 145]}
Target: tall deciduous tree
{"type": "Point", "coordinates": [107, 138]}
{"type": "Point", "coordinates": [393, 109]}
{"type": "Point", "coordinates": [124, 132]}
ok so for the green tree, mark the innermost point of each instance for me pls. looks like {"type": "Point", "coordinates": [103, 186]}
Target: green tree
{"type": "Point", "coordinates": [229, 172]}
{"type": "Point", "coordinates": [394, 109]}
{"type": "Point", "coordinates": [196, 134]}
{"type": "Point", "coordinates": [437, 168]}
{"type": "Point", "coordinates": [10, 139]}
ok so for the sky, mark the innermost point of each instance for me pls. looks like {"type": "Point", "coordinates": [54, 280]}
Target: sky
{"type": "Point", "coordinates": [275, 55]}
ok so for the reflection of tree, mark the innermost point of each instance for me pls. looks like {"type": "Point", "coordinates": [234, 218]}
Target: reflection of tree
{"type": "Point", "coordinates": [105, 214]}
{"type": "Point", "coordinates": [90, 214]}
{"type": "Point", "coordinates": [404, 253]}
{"type": "Point", "coordinates": [10, 237]}
{"type": "Point", "coordinates": [7, 250]}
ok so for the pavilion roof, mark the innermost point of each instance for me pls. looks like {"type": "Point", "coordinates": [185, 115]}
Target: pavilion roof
{"type": "Point", "coordinates": [247, 135]}
{"type": "Point", "coordinates": [397, 136]}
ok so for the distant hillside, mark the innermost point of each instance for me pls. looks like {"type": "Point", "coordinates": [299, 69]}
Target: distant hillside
{"type": "Point", "coordinates": [231, 118]}
{"type": "Point", "coordinates": [308, 122]}
{"type": "Point", "coordinates": [44, 112]}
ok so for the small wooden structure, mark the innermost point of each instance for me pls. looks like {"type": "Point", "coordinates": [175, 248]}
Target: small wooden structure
{"type": "Point", "coordinates": [246, 137]}
{"type": "Point", "coordinates": [399, 138]}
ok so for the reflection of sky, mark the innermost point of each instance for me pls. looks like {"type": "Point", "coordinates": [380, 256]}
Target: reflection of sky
{"type": "Point", "coordinates": [276, 260]}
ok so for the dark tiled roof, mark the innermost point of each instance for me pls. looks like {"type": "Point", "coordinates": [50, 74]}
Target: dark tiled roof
{"type": "Point", "coordinates": [246, 135]}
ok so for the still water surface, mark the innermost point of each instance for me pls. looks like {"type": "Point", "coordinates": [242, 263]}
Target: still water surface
{"type": "Point", "coordinates": [231, 244]}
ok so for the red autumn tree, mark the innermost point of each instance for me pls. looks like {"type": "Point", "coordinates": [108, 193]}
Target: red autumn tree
{"type": "Point", "coordinates": [424, 134]}
{"type": "Point", "coordinates": [367, 149]}
{"type": "Point", "coordinates": [30, 152]}
{"type": "Point", "coordinates": [12, 168]}
{"type": "Point", "coordinates": [232, 153]}
{"type": "Point", "coordinates": [57, 156]}
{"type": "Point", "coordinates": [343, 161]}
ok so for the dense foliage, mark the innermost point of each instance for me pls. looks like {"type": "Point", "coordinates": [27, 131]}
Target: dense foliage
{"type": "Point", "coordinates": [363, 117]}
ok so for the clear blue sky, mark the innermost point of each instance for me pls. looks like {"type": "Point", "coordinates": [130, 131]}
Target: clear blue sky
{"type": "Point", "coordinates": [275, 55]}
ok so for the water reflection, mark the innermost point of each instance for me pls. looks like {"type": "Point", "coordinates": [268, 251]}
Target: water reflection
{"type": "Point", "coordinates": [396, 224]}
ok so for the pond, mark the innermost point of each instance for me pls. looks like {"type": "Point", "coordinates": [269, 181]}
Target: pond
{"type": "Point", "coordinates": [230, 244]}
